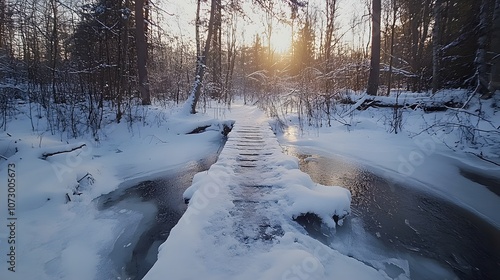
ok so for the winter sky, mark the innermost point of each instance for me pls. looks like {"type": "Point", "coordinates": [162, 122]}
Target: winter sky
{"type": "Point", "coordinates": [182, 13]}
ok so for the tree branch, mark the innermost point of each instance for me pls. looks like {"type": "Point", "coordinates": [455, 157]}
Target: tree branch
{"type": "Point", "coordinates": [68, 150]}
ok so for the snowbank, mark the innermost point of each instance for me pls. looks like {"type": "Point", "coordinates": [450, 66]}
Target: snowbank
{"type": "Point", "coordinates": [59, 233]}
{"type": "Point", "coordinates": [434, 162]}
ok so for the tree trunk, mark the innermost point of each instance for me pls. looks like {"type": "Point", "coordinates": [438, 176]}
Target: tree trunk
{"type": "Point", "coordinates": [216, 55]}
{"type": "Point", "coordinates": [3, 24]}
{"type": "Point", "coordinates": [391, 58]}
{"type": "Point", "coordinates": [269, 29]}
{"type": "Point", "coordinates": [54, 43]}
{"type": "Point", "coordinates": [195, 93]}
{"type": "Point", "coordinates": [142, 52]}
{"type": "Point", "coordinates": [373, 79]}
{"type": "Point", "coordinates": [231, 58]}
{"type": "Point", "coordinates": [480, 60]}
{"type": "Point", "coordinates": [197, 29]}
{"type": "Point", "coordinates": [422, 42]}
{"type": "Point", "coordinates": [415, 21]}
{"type": "Point", "coordinates": [331, 8]}
{"type": "Point", "coordinates": [436, 46]}
{"type": "Point", "coordinates": [494, 84]}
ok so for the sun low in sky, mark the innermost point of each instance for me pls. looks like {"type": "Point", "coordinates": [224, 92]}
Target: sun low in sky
{"type": "Point", "coordinates": [182, 14]}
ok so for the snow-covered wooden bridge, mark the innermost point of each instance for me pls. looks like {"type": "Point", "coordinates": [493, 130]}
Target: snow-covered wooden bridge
{"type": "Point", "coordinates": [240, 220]}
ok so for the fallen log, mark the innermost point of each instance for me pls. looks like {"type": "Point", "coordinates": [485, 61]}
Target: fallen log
{"type": "Point", "coordinates": [427, 106]}
{"type": "Point", "coordinates": [199, 129]}
{"type": "Point", "coordinates": [62, 150]}
{"type": "Point", "coordinates": [224, 130]}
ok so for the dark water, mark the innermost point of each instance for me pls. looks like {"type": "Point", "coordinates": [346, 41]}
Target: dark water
{"type": "Point", "coordinates": [402, 218]}
{"type": "Point", "coordinates": [161, 204]}
{"type": "Point", "coordinates": [410, 221]}
{"type": "Point", "coordinates": [493, 184]}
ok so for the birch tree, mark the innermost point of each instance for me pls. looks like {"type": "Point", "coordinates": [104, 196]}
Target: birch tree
{"type": "Point", "coordinates": [201, 61]}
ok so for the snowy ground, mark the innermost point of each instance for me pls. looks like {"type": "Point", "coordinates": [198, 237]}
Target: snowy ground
{"type": "Point", "coordinates": [60, 239]}
{"type": "Point", "coordinates": [410, 156]}
{"type": "Point", "coordinates": [57, 239]}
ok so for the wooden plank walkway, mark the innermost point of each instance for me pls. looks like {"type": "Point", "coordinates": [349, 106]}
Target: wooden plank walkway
{"type": "Point", "coordinates": [240, 220]}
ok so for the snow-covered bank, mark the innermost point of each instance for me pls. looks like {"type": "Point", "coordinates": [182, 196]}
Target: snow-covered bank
{"type": "Point", "coordinates": [58, 232]}
{"type": "Point", "coordinates": [419, 159]}
{"type": "Point", "coordinates": [239, 223]}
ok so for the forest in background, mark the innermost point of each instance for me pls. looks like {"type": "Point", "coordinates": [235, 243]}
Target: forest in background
{"type": "Point", "coordinates": [77, 61]}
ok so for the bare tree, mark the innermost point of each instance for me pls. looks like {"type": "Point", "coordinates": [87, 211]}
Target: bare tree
{"type": "Point", "coordinates": [373, 79]}
{"type": "Point", "coordinates": [331, 9]}
{"type": "Point", "coordinates": [393, 33]}
{"type": "Point", "coordinates": [494, 83]}
{"type": "Point", "coordinates": [195, 92]}
{"type": "Point", "coordinates": [268, 24]}
{"type": "Point", "coordinates": [436, 45]}
{"type": "Point", "coordinates": [214, 58]}
{"type": "Point", "coordinates": [231, 58]}
{"type": "Point", "coordinates": [142, 51]}
{"type": "Point", "coordinates": [415, 17]}
{"type": "Point", "coordinates": [480, 60]}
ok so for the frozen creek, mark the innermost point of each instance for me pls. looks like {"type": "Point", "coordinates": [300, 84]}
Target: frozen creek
{"type": "Point", "coordinates": [147, 213]}
{"type": "Point", "coordinates": [392, 227]}
{"type": "Point", "coordinates": [438, 239]}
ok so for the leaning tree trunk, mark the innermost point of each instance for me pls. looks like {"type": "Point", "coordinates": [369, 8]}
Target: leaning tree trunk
{"type": "Point", "coordinates": [436, 46]}
{"type": "Point", "coordinates": [373, 79]}
{"type": "Point", "coordinates": [142, 52]}
{"type": "Point", "coordinates": [194, 96]}
{"type": "Point", "coordinates": [494, 83]}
